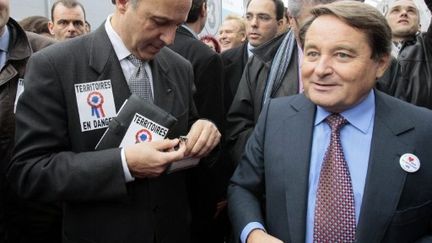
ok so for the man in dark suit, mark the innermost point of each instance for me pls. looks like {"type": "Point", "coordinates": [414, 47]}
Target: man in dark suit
{"type": "Point", "coordinates": [234, 61]}
{"type": "Point", "coordinates": [263, 19]}
{"type": "Point", "coordinates": [73, 89]}
{"type": "Point", "coordinates": [20, 221]}
{"type": "Point", "coordinates": [204, 181]}
{"type": "Point", "coordinates": [376, 175]}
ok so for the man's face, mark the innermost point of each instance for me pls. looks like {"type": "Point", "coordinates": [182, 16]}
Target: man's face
{"type": "Point", "coordinates": [262, 25]}
{"type": "Point", "coordinates": [4, 14]}
{"type": "Point", "coordinates": [230, 35]}
{"type": "Point", "coordinates": [403, 18]}
{"type": "Point", "coordinates": [150, 25]}
{"type": "Point", "coordinates": [338, 71]}
{"type": "Point", "coordinates": [67, 22]}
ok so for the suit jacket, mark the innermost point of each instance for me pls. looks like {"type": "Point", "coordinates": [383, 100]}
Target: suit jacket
{"type": "Point", "coordinates": [397, 205]}
{"type": "Point", "coordinates": [234, 61]}
{"type": "Point", "coordinates": [247, 103]}
{"type": "Point", "coordinates": [207, 66]}
{"type": "Point", "coordinates": [205, 184]}
{"type": "Point", "coordinates": [55, 161]}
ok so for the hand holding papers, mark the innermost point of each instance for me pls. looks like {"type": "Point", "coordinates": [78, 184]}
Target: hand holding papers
{"type": "Point", "coordinates": [137, 123]}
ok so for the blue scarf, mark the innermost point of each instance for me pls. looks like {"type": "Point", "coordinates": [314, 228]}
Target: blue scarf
{"type": "Point", "coordinates": [279, 65]}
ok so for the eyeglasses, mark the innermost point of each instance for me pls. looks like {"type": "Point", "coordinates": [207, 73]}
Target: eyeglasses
{"type": "Point", "coordinates": [259, 17]}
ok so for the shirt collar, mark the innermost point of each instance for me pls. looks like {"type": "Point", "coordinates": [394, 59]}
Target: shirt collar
{"type": "Point", "coordinates": [119, 47]}
{"type": "Point", "coordinates": [191, 31]}
{"type": "Point", "coordinates": [249, 49]}
{"type": "Point", "coordinates": [359, 116]}
{"type": "Point", "coordinates": [4, 40]}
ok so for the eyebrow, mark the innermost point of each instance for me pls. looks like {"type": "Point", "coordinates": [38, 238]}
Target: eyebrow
{"type": "Point", "coordinates": [336, 48]}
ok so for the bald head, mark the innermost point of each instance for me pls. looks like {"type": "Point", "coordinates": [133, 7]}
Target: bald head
{"type": "Point", "coordinates": [404, 19]}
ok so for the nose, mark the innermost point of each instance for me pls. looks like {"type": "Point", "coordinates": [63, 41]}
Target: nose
{"type": "Point", "coordinates": [168, 35]}
{"type": "Point", "coordinates": [71, 27]}
{"type": "Point", "coordinates": [404, 12]}
{"type": "Point", "coordinates": [253, 21]}
{"type": "Point", "coordinates": [323, 67]}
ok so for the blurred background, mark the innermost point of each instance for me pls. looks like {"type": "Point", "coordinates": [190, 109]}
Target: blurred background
{"type": "Point", "coordinates": [98, 10]}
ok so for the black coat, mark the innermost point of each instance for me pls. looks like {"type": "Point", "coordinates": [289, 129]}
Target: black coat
{"type": "Point", "coordinates": [234, 61]}
{"type": "Point", "coordinates": [411, 78]}
{"type": "Point", "coordinates": [205, 184]}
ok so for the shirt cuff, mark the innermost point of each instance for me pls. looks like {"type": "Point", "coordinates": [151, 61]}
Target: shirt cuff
{"type": "Point", "coordinates": [127, 174]}
{"type": "Point", "coordinates": [248, 229]}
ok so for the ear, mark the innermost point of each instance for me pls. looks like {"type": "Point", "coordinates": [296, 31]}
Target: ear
{"type": "Point", "coordinates": [122, 5]}
{"type": "Point", "coordinates": [51, 27]}
{"type": "Point", "coordinates": [383, 64]}
{"type": "Point", "coordinates": [280, 22]}
{"type": "Point", "coordinates": [243, 39]}
{"type": "Point", "coordinates": [203, 11]}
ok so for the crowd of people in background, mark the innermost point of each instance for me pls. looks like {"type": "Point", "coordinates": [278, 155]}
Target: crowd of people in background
{"type": "Point", "coordinates": [256, 104]}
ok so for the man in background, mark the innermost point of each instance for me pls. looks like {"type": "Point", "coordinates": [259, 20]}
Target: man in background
{"type": "Point", "coordinates": [204, 184]}
{"type": "Point", "coordinates": [20, 220]}
{"type": "Point", "coordinates": [263, 19]}
{"type": "Point", "coordinates": [68, 19]}
{"type": "Point", "coordinates": [232, 32]}
{"type": "Point", "coordinates": [412, 79]}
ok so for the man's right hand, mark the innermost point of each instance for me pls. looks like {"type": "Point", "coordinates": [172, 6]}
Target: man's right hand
{"type": "Point", "coordinates": [150, 159]}
{"type": "Point", "coordinates": [259, 236]}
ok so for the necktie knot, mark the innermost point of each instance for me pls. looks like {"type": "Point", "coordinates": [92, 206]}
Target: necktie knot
{"type": "Point", "coordinates": [336, 122]}
{"type": "Point", "coordinates": [139, 82]}
{"type": "Point", "coordinates": [135, 61]}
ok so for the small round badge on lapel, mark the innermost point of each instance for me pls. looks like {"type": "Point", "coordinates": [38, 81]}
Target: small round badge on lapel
{"type": "Point", "coordinates": [409, 163]}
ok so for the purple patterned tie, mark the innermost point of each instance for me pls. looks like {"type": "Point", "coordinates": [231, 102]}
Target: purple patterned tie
{"type": "Point", "coordinates": [334, 209]}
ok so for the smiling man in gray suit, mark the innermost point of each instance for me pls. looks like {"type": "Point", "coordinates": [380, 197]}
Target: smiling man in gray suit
{"type": "Point", "coordinates": [72, 91]}
{"type": "Point", "coordinates": [368, 179]}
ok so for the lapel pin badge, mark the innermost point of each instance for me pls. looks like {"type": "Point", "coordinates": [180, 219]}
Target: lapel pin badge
{"type": "Point", "coordinates": [409, 163]}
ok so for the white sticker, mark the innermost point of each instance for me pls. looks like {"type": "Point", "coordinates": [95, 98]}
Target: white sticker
{"type": "Point", "coordinates": [143, 129]}
{"type": "Point", "coordinates": [20, 90]}
{"type": "Point", "coordinates": [409, 163]}
{"type": "Point", "coordinates": [95, 104]}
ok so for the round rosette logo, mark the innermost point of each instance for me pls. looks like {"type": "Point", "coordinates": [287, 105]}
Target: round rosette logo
{"type": "Point", "coordinates": [95, 101]}
{"type": "Point", "coordinates": [143, 135]}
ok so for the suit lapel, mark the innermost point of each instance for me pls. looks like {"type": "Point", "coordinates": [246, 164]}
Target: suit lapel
{"type": "Point", "coordinates": [163, 84]}
{"type": "Point", "coordinates": [105, 63]}
{"type": "Point", "coordinates": [385, 178]}
{"type": "Point", "coordinates": [297, 167]}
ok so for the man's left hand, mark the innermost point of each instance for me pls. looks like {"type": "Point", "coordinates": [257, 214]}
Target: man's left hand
{"type": "Point", "coordinates": [201, 139]}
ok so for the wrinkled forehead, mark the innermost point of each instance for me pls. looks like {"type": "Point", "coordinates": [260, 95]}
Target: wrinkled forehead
{"type": "Point", "coordinates": [403, 3]}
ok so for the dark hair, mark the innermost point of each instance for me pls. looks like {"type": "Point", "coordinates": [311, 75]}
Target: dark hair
{"type": "Point", "coordinates": [213, 40]}
{"type": "Point", "coordinates": [67, 4]}
{"type": "Point", "coordinates": [195, 10]}
{"type": "Point", "coordinates": [36, 24]}
{"type": "Point", "coordinates": [279, 5]}
{"type": "Point", "coordinates": [360, 16]}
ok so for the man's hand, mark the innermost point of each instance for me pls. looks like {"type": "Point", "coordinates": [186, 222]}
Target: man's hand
{"type": "Point", "coordinates": [259, 236]}
{"type": "Point", "coordinates": [202, 138]}
{"type": "Point", "coordinates": [150, 159]}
